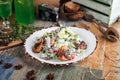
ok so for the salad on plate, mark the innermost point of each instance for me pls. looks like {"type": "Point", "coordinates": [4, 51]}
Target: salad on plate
{"type": "Point", "coordinates": [60, 44]}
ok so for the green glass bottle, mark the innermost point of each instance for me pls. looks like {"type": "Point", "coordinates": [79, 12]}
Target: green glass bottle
{"type": "Point", "coordinates": [5, 8]}
{"type": "Point", "coordinates": [24, 11]}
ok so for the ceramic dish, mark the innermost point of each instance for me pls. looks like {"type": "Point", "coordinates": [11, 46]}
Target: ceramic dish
{"type": "Point", "coordinates": [87, 36]}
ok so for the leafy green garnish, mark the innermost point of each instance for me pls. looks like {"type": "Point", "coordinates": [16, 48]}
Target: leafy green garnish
{"type": "Point", "coordinates": [20, 31]}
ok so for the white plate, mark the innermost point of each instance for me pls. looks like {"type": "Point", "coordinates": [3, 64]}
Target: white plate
{"type": "Point", "coordinates": [87, 36]}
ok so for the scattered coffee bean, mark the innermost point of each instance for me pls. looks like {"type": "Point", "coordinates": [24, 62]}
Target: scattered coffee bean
{"type": "Point", "coordinates": [7, 65]}
{"type": "Point", "coordinates": [50, 76]}
{"type": "Point", "coordinates": [18, 67]}
{"type": "Point", "coordinates": [30, 75]}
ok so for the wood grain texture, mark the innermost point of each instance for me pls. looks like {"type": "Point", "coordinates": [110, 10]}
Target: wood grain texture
{"type": "Point", "coordinates": [95, 5]}
{"type": "Point", "coordinates": [101, 62]}
{"type": "Point", "coordinates": [109, 2]}
{"type": "Point", "coordinates": [11, 44]}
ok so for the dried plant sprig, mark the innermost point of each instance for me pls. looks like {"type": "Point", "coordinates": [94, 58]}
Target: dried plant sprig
{"type": "Point", "coordinates": [103, 77]}
{"type": "Point", "coordinates": [83, 75]}
{"type": "Point", "coordinates": [116, 66]}
{"type": "Point", "coordinates": [110, 56]}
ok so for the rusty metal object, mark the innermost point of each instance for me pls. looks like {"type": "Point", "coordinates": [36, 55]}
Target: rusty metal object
{"type": "Point", "coordinates": [112, 32]}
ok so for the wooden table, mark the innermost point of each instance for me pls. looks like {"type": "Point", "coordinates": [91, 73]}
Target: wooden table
{"type": "Point", "coordinates": [103, 64]}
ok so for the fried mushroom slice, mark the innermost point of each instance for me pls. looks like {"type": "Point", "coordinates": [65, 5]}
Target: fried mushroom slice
{"type": "Point", "coordinates": [38, 46]}
{"type": "Point", "coordinates": [63, 53]}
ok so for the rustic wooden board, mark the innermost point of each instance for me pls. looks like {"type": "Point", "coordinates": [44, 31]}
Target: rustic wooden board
{"type": "Point", "coordinates": [100, 64]}
{"type": "Point", "coordinates": [95, 5]}
{"type": "Point", "coordinates": [98, 16]}
{"type": "Point", "coordinates": [11, 44]}
{"type": "Point", "coordinates": [71, 72]}
{"type": "Point", "coordinates": [109, 2]}
{"type": "Point", "coordinates": [105, 10]}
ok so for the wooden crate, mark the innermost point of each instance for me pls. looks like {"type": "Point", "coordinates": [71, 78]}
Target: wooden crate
{"type": "Point", "coordinates": [107, 11]}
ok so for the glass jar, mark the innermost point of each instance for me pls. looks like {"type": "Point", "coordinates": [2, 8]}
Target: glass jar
{"type": "Point", "coordinates": [24, 11]}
